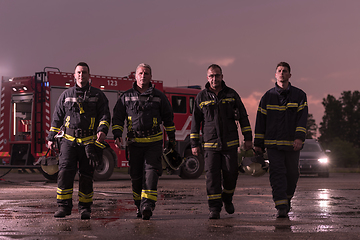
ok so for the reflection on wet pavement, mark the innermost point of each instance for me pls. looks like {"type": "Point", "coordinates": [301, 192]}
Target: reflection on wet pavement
{"type": "Point", "coordinates": [182, 214]}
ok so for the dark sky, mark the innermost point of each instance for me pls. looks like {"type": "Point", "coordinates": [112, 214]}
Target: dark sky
{"type": "Point", "coordinates": [179, 39]}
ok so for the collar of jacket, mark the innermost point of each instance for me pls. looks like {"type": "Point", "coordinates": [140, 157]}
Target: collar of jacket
{"type": "Point", "coordinates": [280, 90]}
{"type": "Point", "coordinates": [82, 89]}
{"type": "Point", "coordinates": [148, 91]}
{"type": "Point", "coordinates": [223, 86]}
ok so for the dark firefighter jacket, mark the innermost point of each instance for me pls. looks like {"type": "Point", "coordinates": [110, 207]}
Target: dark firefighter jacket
{"type": "Point", "coordinates": [81, 110]}
{"type": "Point", "coordinates": [216, 115]}
{"type": "Point", "coordinates": [281, 118]}
{"type": "Point", "coordinates": [143, 112]}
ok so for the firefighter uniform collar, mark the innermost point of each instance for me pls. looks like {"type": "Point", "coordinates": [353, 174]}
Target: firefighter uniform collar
{"type": "Point", "coordinates": [82, 89]}
{"type": "Point", "coordinates": [223, 86]}
{"type": "Point", "coordinates": [148, 91]}
{"type": "Point", "coordinates": [282, 91]}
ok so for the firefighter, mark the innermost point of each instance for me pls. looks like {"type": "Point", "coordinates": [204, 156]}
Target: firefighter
{"type": "Point", "coordinates": [281, 128]}
{"type": "Point", "coordinates": [144, 108]}
{"type": "Point", "coordinates": [217, 109]}
{"type": "Point", "coordinates": [81, 118]}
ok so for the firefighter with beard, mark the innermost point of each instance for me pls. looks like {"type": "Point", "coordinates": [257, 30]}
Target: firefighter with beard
{"type": "Point", "coordinates": [144, 108]}
{"type": "Point", "coordinates": [81, 118]}
{"type": "Point", "coordinates": [216, 110]}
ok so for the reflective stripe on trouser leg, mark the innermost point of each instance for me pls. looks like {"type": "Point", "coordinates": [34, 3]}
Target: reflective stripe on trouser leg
{"type": "Point", "coordinates": [284, 174]}
{"type": "Point", "coordinates": [86, 191]}
{"type": "Point", "coordinates": [64, 194]}
{"type": "Point", "coordinates": [227, 195]}
{"type": "Point", "coordinates": [66, 174]}
{"type": "Point", "coordinates": [86, 198]}
{"type": "Point", "coordinates": [149, 194]}
{"type": "Point", "coordinates": [230, 174]}
{"type": "Point", "coordinates": [145, 169]}
{"type": "Point", "coordinates": [213, 180]}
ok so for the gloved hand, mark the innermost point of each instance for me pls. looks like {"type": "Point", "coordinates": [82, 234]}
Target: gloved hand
{"type": "Point", "coordinates": [93, 155]}
{"type": "Point", "coordinates": [171, 144]}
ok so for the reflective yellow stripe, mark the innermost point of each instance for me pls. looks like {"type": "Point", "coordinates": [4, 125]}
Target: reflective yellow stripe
{"type": "Point", "coordinates": [283, 108]}
{"type": "Point", "coordinates": [149, 194]}
{"type": "Point", "coordinates": [104, 123]}
{"type": "Point", "coordinates": [279, 142]}
{"type": "Point", "coordinates": [67, 124]}
{"type": "Point", "coordinates": [210, 145]}
{"type": "Point", "coordinates": [92, 123]}
{"type": "Point", "coordinates": [171, 128]}
{"type": "Point", "coordinates": [54, 129]}
{"type": "Point", "coordinates": [281, 202]}
{"type": "Point", "coordinates": [206, 103]}
{"type": "Point", "coordinates": [213, 197]}
{"type": "Point", "coordinates": [155, 122]}
{"type": "Point", "coordinates": [263, 111]}
{"type": "Point", "coordinates": [129, 123]}
{"type": "Point", "coordinates": [136, 196]}
{"type": "Point", "coordinates": [81, 108]}
{"type": "Point", "coordinates": [85, 140]}
{"type": "Point", "coordinates": [301, 107]}
{"type": "Point", "coordinates": [152, 138]}
{"type": "Point", "coordinates": [194, 135]}
{"type": "Point", "coordinates": [232, 143]}
{"type": "Point", "coordinates": [100, 145]}
{"type": "Point", "coordinates": [227, 100]}
{"type": "Point", "coordinates": [260, 136]}
{"type": "Point", "coordinates": [86, 198]}
{"type": "Point", "coordinates": [229, 191]}
{"type": "Point", "coordinates": [118, 127]}
{"type": "Point", "coordinates": [301, 129]}
{"type": "Point", "coordinates": [246, 129]}
{"type": "Point", "coordinates": [64, 194]}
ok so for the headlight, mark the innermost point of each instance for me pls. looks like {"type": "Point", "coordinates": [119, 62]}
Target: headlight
{"type": "Point", "coordinates": [323, 160]}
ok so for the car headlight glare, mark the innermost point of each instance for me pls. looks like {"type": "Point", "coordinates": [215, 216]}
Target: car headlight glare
{"type": "Point", "coordinates": [323, 160]}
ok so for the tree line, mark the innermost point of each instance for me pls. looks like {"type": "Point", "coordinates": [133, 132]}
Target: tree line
{"type": "Point", "coordinates": [339, 129]}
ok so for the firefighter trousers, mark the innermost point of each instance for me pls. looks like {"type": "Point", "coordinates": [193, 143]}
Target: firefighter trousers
{"type": "Point", "coordinates": [72, 158]}
{"type": "Point", "coordinates": [221, 169]}
{"type": "Point", "coordinates": [145, 169]}
{"type": "Point", "coordinates": [284, 175]}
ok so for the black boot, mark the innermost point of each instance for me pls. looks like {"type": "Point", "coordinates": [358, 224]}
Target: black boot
{"type": "Point", "coordinates": [62, 212]}
{"type": "Point", "coordinates": [85, 213]}
{"type": "Point", "coordinates": [146, 213]}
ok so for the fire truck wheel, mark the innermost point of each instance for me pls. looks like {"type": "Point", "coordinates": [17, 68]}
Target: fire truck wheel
{"type": "Point", "coordinates": [193, 166]}
{"type": "Point", "coordinates": [104, 171]}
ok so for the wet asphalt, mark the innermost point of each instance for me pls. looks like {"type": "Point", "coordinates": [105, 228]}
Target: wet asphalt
{"type": "Point", "coordinates": [323, 208]}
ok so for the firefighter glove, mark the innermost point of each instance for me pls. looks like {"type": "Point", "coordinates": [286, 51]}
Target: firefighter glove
{"type": "Point", "coordinates": [171, 144]}
{"type": "Point", "coordinates": [93, 155]}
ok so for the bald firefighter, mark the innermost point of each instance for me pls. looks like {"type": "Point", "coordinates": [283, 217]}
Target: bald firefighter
{"type": "Point", "coordinates": [144, 108]}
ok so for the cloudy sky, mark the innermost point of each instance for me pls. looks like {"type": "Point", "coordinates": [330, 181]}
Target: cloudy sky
{"type": "Point", "coordinates": [179, 39]}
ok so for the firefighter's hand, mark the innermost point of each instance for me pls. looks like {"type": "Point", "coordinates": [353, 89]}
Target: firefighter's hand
{"type": "Point", "coordinates": [118, 142]}
{"type": "Point", "coordinates": [297, 144]}
{"type": "Point", "coordinates": [171, 144]}
{"type": "Point", "coordinates": [50, 144]}
{"type": "Point", "coordinates": [195, 151]}
{"type": "Point", "coordinates": [258, 149]}
{"type": "Point", "coordinates": [248, 145]}
{"type": "Point", "coordinates": [101, 136]}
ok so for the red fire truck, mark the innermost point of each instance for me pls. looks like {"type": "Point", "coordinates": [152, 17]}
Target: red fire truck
{"type": "Point", "coordinates": [27, 105]}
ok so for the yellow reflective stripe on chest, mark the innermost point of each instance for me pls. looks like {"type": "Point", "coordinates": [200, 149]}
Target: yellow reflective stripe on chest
{"type": "Point", "coordinates": [282, 108]}
{"type": "Point", "coordinates": [212, 102]}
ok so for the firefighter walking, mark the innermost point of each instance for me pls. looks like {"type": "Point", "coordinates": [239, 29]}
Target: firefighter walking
{"type": "Point", "coordinates": [216, 110]}
{"type": "Point", "coordinates": [281, 129]}
{"type": "Point", "coordinates": [144, 108]}
{"type": "Point", "coordinates": [82, 117]}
